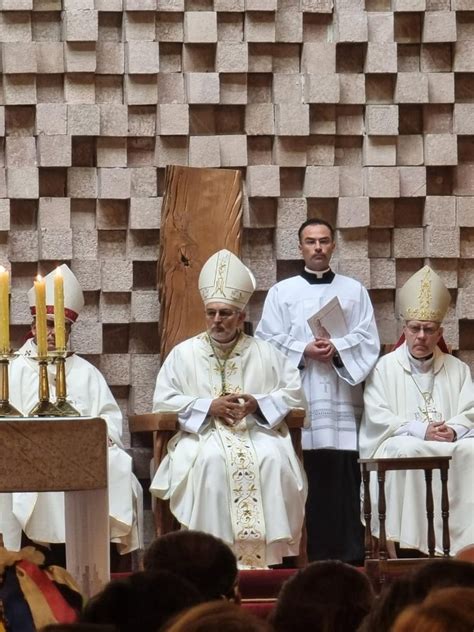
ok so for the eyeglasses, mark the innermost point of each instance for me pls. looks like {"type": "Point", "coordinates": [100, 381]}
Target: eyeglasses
{"type": "Point", "coordinates": [428, 330]}
{"type": "Point", "coordinates": [223, 314]}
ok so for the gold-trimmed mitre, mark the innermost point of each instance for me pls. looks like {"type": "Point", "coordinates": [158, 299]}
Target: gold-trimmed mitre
{"type": "Point", "coordinates": [423, 297]}
{"type": "Point", "coordinates": [225, 279]}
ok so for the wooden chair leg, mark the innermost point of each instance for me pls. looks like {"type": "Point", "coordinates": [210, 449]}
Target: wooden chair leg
{"type": "Point", "coordinates": [445, 510]}
{"type": "Point", "coordinates": [430, 512]}
{"type": "Point", "coordinates": [368, 540]}
{"type": "Point", "coordinates": [383, 554]}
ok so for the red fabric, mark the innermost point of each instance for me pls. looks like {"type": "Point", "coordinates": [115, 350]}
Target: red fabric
{"type": "Point", "coordinates": [263, 584]}
{"type": "Point", "coordinates": [68, 313]}
{"type": "Point", "coordinates": [60, 609]}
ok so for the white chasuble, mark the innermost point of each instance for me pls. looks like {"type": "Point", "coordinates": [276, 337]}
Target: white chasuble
{"type": "Point", "coordinates": [243, 484]}
{"type": "Point", "coordinates": [390, 428]}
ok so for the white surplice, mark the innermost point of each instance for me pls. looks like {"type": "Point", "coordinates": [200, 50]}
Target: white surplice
{"type": "Point", "coordinates": [390, 429]}
{"type": "Point", "coordinates": [243, 483]}
{"type": "Point", "coordinates": [41, 515]}
{"type": "Point", "coordinates": [334, 394]}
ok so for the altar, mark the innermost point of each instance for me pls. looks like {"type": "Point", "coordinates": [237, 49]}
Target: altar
{"type": "Point", "coordinates": [70, 455]}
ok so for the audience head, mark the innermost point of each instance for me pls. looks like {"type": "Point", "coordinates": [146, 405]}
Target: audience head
{"type": "Point", "coordinates": [414, 588]}
{"type": "Point", "coordinates": [217, 616]}
{"type": "Point", "coordinates": [323, 597]}
{"type": "Point", "coordinates": [442, 573]}
{"type": "Point", "coordinates": [143, 601]}
{"type": "Point", "coordinates": [445, 610]}
{"type": "Point", "coordinates": [202, 559]}
{"type": "Point", "coordinates": [466, 554]}
{"type": "Point", "coordinates": [393, 599]}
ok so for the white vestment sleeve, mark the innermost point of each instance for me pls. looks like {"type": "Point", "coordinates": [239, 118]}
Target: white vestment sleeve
{"type": "Point", "coordinates": [275, 326]}
{"type": "Point", "coordinates": [379, 420]}
{"type": "Point", "coordinates": [359, 348]}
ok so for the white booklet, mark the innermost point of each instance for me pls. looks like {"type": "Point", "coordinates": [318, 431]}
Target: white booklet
{"type": "Point", "coordinates": [329, 321]}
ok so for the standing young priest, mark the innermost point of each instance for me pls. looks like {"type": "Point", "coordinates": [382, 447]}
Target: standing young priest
{"type": "Point", "coordinates": [231, 470]}
{"type": "Point", "coordinates": [419, 401]}
{"type": "Point", "coordinates": [332, 370]}
{"type": "Point", "coordinates": [41, 515]}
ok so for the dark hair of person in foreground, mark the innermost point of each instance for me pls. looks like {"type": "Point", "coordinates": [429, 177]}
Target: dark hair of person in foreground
{"type": "Point", "coordinates": [445, 610]}
{"type": "Point", "coordinates": [204, 560]}
{"type": "Point", "coordinates": [327, 596]}
{"type": "Point", "coordinates": [141, 602]}
{"type": "Point", "coordinates": [413, 588]}
{"type": "Point", "coordinates": [78, 627]}
{"type": "Point", "coordinates": [217, 616]}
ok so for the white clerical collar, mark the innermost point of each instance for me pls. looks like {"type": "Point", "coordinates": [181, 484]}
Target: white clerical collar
{"type": "Point", "coordinates": [421, 365]}
{"type": "Point", "coordinates": [317, 273]}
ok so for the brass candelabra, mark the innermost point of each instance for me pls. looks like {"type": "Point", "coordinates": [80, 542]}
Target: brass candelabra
{"type": "Point", "coordinates": [65, 408]}
{"type": "Point", "coordinates": [6, 409]}
{"type": "Point", "coordinates": [44, 407]}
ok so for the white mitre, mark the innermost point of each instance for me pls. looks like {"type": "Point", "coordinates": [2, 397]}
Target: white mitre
{"type": "Point", "coordinates": [225, 279]}
{"type": "Point", "coordinates": [73, 296]}
{"type": "Point", "coordinates": [423, 297]}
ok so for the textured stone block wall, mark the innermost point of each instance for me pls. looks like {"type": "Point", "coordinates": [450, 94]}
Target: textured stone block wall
{"type": "Point", "coordinates": [359, 112]}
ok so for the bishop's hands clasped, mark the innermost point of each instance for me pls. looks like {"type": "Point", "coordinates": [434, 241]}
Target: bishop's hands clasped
{"type": "Point", "coordinates": [439, 431]}
{"type": "Point", "coordinates": [231, 409]}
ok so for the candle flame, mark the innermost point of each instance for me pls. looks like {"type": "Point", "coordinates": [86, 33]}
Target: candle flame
{"type": "Point", "coordinates": [2, 269]}
{"type": "Point", "coordinates": [39, 277]}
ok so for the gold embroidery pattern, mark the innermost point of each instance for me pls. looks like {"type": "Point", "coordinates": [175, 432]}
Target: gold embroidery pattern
{"type": "Point", "coordinates": [246, 505]}
{"type": "Point", "coordinates": [424, 311]}
{"type": "Point", "coordinates": [219, 284]}
{"type": "Point", "coordinates": [246, 499]}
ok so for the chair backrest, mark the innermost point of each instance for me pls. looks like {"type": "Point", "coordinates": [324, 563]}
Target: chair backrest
{"type": "Point", "coordinates": [201, 213]}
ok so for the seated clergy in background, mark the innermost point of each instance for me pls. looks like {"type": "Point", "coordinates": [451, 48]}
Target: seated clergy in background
{"type": "Point", "coordinates": [41, 515]}
{"type": "Point", "coordinates": [231, 471]}
{"type": "Point", "coordinates": [419, 401]}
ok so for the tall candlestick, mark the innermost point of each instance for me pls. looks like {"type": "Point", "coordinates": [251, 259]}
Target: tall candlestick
{"type": "Point", "coordinates": [59, 324]}
{"type": "Point", "coordinates": [4, 311]}
{"type": "Point", "coordinates": [41, 330]}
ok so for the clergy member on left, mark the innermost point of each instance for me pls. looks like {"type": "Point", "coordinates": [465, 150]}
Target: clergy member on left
{"type": "Point", "coordinates": [40, 516]}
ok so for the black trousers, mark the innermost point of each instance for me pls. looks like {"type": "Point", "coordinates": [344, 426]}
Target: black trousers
{"type": "Point", "coordinates": [333, 523]}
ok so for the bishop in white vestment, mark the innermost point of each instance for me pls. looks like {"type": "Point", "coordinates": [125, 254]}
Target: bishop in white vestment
{"type": "Point", "coordinates": [41, 515]}
{"type": "Point", "coordinates": [419, 401]}
{"type": "Point", "coordinates": [231, 470]}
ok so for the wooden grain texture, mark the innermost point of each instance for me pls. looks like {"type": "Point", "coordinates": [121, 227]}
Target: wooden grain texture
{"type": "Point", "coordinates": [202, 213]}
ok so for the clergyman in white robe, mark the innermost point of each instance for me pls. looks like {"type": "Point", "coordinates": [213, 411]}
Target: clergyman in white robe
{"type": "Point", "coordinates": [334, 395]}
{"type": "Point", "coordinates": [245, 483]}
{"type": "Point", "coordinates": [391, 428]}
{"type": "Point", "coordinates": [41, 515]}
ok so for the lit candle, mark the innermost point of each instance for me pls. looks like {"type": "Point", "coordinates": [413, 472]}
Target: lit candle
{"type": "Point", "coordinates": [41, 331]}
{"type": "Point", "coordinates": [4, 311]}
{"type": "Point", "coordinates": [59, 324]}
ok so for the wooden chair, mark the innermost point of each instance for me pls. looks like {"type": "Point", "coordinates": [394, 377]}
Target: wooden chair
{"type": "Point", "coordinates": [165, 425]}
{"type": "Point", "coordinates": [378, 567]}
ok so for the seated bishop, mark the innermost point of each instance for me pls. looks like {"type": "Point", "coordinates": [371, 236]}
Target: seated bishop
{"type": "Point", "coordinates": [419, 401]}
{"type": "Point", "coordinates": [231, 470]}
{"type": "Point", "coordinates": [40, 516]}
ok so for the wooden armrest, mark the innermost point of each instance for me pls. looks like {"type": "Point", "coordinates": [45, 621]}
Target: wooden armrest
{"type": "Point", "coordinates": [296, 418]}
{"type": "Point", "coordinates": [151, 422]}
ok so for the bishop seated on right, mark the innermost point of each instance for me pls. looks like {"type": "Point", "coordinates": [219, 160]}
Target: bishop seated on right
{"type": "Point", "coordinates": [419, 401]}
